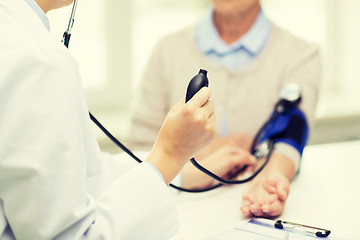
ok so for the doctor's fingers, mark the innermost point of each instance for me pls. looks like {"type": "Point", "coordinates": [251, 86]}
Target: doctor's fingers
{"type": "Point", "coordinates": [178, 106]}
{"type": "Point", "coordinates": [200, 98]}
{"type": "Point", "coordinates": [202, 116]}
{"type": "Point", "coordinates": [208, 109]}
{"type": "Point", "coordinates": [199, 104]}
{"type": "Point", "coordinates": [210, 127]}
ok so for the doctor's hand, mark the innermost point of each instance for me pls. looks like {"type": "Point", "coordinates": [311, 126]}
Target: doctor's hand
{"type": "Point", "coordinates": [185, 131]}
{"type": "Point", "coordinates": [224, 162]}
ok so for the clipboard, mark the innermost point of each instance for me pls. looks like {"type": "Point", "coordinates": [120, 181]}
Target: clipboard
{"type": "Point", "coordinates": [266, 229]}
{"type": "Point", "coordinates": [318, 232]}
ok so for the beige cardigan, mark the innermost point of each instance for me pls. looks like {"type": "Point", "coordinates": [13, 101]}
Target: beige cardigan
{"type": "Point", "coordinates": [247, 96]}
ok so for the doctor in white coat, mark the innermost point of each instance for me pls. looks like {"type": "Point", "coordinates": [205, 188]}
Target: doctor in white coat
{"type": "Point", "coordinates": [54, 181]}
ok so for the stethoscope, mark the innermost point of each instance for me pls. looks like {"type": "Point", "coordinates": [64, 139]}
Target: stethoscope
{"type": "Point", "coordinates": [67, 33]}
{"type": "Point", "coordinates": [288, 97]}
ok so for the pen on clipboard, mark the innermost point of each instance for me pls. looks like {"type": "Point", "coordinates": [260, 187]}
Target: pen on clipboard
{"type": "Point", "coordinates": [319, 232]}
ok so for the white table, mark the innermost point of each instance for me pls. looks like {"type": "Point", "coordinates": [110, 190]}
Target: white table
{"type": "Point", "coordinates": [325, 194]}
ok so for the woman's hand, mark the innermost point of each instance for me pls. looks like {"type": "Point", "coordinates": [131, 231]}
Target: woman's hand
{"type": "Point", "coordinates": [239, 140]}
{"type": "Point", "coordinates": [224, 162]}
{"type": "Point", "coordinates": [266, 196]}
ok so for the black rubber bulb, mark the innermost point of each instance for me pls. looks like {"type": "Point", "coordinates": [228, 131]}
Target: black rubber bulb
{"type": "Point", "coordinates": [196, 83]}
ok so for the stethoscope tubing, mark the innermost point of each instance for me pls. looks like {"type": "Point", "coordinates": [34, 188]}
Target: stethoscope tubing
{"type": "Point", "coordinates": [193, 161]}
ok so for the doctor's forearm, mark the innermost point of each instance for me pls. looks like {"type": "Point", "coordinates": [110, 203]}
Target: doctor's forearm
{"type": "Point", "coordinates": [168, 166]}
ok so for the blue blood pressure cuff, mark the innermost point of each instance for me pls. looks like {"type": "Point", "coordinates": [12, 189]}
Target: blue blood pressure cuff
{"type": "Point", "coordinates": [290, 127]}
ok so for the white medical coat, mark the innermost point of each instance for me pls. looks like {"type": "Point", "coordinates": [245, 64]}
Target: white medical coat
{"type": "Point", "coordinates": [54, 181]}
